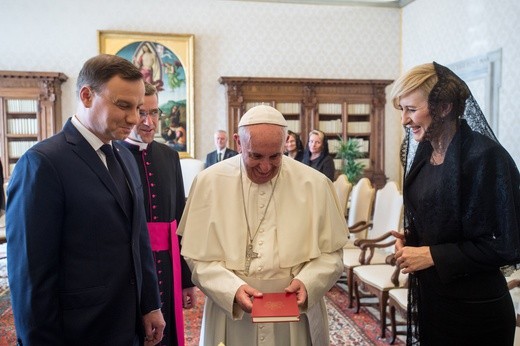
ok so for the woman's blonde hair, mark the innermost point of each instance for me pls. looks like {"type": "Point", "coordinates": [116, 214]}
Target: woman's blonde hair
{"type": "Point", "coordinates": [317, 133]}
{"type": "Point", "coordinates": [422, 77]}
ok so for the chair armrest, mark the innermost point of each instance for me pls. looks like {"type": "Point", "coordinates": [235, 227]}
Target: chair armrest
{"type": "Point", "coordinates": [513, 283]}
{"type": "Point", "coordinates": [390, 259]}
{"type": "Point", "coordinates": [368, 247]}
{"type": "Point", "coordinates": [359, 226]}
{"type": "Point", "coordinates": [376, 245]}
{"type": "Point", "coordinates": [395, 276]}
{"type": "Point", "coordinates": [361, 242]}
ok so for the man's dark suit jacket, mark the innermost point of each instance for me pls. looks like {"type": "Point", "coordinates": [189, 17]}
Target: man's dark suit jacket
{"type": "Point", "coordinates": [81, 271]}
{"type": "Point", "coordinates": [212, 157]}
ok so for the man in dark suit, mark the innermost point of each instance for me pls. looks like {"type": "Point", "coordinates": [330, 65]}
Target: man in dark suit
{"type": "Point", "coordinates": [221, 153]}
{"type": "Point", "coordinates": [80, 265]}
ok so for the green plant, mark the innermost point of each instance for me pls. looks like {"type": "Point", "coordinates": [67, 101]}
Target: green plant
{"type": "Point", "coordinates": [349, 151]}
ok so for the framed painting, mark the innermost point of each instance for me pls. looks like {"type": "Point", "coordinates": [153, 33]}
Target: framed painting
{"type": "Point", "coordinates": [166, 61]}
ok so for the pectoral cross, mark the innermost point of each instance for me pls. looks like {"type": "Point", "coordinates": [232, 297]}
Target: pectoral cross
{"type": "Point", "coordinates": [250, 255]}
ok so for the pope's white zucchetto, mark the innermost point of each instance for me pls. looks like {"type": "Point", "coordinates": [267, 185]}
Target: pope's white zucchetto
{"type": "Point", "coordinates": [262, 115]}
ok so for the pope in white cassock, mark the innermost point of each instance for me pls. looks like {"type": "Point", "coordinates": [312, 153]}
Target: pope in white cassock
{"type": "Point", "coordinates": [262, 222]}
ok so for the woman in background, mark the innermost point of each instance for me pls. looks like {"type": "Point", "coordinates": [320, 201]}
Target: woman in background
{"type": "Point", "coordinates": [317, 154]}
{"type": "Point", "coordinates": [462, 215]}
{"type": "Point", "coordinates": [294, 146]}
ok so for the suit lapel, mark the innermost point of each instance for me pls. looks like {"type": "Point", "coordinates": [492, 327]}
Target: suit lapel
{"type": "Point", "coordinates": [85, 152]}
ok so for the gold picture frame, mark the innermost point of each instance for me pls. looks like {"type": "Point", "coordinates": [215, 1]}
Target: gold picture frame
{"type": "Point", "coordinates": [166, 60]}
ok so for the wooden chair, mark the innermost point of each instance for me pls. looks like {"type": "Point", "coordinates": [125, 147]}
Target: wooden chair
{"type": "Point", "coordinates": [360, 211]}
{"type": "Point", "coordinates": [397, 302]}
{"type": "Point", "coordinates": [378, 279]}
{"type": "Point", "coordinates": [343, 188]}
{"type": "Point", "coordinates": [362, 198]}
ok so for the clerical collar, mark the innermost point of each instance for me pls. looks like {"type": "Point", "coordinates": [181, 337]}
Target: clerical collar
{"type": "Point", "coordinates": [142, 145]}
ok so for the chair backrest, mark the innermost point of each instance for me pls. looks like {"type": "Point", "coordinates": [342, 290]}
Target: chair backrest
{"type": "Point", "coordinates": [343, 188]}
{"type": "Point", "coordinates": [388, 209]}
{"type": "Point", "coordinates": [190, 169]}
{"type": "Point", "coordinates": [361, 201]}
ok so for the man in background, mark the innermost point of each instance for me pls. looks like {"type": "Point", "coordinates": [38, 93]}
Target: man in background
{"type": "Point", "coordinates": [80, 265]}
{"type": "Point", "coordinates": [221, 153]}
{"type": "Point", "coordinates": [283, 230]}
{"type": "Point", "coordinates": [164, 200]}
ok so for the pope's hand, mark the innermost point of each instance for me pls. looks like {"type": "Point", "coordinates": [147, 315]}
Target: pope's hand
{"type": "Point", "coordinates": [244, 296]}
{"type": "Point", "coordinates": [296, 286]}
{"type": "Point", "coordinates": [189, 297]}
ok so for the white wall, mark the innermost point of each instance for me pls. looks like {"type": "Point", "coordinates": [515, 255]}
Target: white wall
{"type": "Point", "coordinates": [284, 40]}
{"type": "Point", "coordinates": [450, 31]}
{"type": "Point", "coordinates": [231, 39]}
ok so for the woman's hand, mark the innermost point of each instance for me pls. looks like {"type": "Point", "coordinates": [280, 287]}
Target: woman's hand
{"type": "Point", "coordinates": [399, 240]}
{"type": "Point", "coordinates": [412, 259]}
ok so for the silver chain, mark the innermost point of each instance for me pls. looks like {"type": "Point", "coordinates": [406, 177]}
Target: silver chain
{"type": "Point", "coordinates": [251, 237]}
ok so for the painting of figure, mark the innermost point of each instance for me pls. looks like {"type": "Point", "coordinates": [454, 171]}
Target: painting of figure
{"type": "Point", "coordinates": [149, 63]}
{"type": "Point", "coordinates": [165, 62]}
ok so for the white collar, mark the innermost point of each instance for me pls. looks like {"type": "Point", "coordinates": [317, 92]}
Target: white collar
{"type": "Point", "coordinates": [91, 138]}
{"type": "Point", "coordinates": [142, 145]}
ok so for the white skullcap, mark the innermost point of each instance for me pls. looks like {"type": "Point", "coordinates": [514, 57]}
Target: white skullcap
{"type": "Point", "coordinates": [262, 115]}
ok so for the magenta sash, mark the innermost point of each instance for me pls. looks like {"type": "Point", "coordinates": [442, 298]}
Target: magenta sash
{"type": "Point", "coordinates": [163, 236]}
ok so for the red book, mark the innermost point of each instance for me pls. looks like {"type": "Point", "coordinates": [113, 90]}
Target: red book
{"type": "Point", "coordinates": [275, 307]}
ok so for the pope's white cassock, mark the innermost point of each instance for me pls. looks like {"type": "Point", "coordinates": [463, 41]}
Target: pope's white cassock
{"type": "Point", "coordinates": [301, 236]}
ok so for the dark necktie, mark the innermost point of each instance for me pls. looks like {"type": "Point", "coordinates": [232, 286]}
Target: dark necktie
{"type": "Point", "coordinates": [118, 176]}
{"type": "Point", "coordinates": [219, 157]}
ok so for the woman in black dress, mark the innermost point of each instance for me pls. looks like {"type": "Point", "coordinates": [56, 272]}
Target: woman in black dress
{"type": "Point", "coordinates": [462, 213]}
{"type": "Point", "coordinates": [317, 154]}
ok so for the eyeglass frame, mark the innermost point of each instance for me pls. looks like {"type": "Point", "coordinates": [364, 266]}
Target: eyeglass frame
{"type": "Point", "coordinates": [144, 113]}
